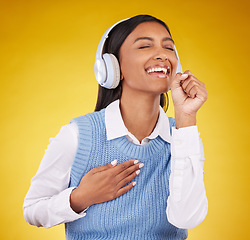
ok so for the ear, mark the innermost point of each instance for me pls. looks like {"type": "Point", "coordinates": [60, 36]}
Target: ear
{"type": "Point", "coordinates": [121, 76]}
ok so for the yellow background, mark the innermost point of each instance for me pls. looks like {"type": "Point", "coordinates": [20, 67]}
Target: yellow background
{"type": "Point", "coordinates": [47, 51]}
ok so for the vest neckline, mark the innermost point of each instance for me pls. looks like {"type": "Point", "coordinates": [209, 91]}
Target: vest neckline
{"type": "Point", "coordinates": [154, 146]}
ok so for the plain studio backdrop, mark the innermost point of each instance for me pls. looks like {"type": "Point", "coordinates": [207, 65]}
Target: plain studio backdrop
{"type": "Point", "coordinates": [47, 51]}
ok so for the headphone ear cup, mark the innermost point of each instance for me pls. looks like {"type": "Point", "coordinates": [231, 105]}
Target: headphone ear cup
{"type": "Point", "coordinates": [100, 71]}
{"type": "Point", "coordinates": [113, 71]}
{"type": "Point", "coordinates": [179, 67]}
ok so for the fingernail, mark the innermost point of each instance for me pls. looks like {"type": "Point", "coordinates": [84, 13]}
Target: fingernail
{"type": "Point", "coordinates": [136, 161]}
{"type": "Point", "coordinates": [134, 183]}
{"type": "Point", "coordinates": [137, 172]}
{"type": "Point", "coordinates": [114, 162]}
{"type": "Point", "coordinates": [141, 165]}
{"type": "Point", "coordinates": [184, 75]}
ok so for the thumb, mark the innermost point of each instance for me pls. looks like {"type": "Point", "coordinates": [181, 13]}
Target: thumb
{"type": "Point", "coordinates": [177, 80]}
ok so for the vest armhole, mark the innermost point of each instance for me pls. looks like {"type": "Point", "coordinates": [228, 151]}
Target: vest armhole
{"type": "Point", "coordinates": [82, 156]}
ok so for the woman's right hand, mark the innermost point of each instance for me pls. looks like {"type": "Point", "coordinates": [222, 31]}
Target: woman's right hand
{"type": "Point", "coordinates": [105, 183]}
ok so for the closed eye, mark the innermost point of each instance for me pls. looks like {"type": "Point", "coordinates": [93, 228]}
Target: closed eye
{"type": "Point", "coordinates": [169, 48]}
{"type": "Point", "coordinates": [142, 47]}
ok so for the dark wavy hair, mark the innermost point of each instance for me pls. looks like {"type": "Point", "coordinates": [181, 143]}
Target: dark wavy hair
{"type": "Point", "coordinates": [112, 45]}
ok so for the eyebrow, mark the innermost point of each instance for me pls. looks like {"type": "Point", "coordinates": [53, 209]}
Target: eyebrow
{"type": "Point", "coordinates": [151, 39]}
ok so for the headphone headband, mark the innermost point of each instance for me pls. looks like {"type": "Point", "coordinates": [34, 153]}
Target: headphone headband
{"type": "Point", "coordinates": [103, 39]}
{"type": "Point", "coordinates": [107, 70]}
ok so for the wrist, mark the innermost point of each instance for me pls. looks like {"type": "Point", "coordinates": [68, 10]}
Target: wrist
{"type": "Point", "coordinates": [185, 120]}
{"type": "Point", "coordinates": [78, 201]}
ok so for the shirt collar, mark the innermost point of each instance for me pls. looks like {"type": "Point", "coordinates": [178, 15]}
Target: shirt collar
{"type": "Point", "coordinates": [116, 128]}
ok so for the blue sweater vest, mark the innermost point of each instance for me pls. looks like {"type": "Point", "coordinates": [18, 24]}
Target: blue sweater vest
{"type": "Point", "coordinates": [141, 212]}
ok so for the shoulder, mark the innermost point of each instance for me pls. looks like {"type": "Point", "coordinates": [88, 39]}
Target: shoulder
{"type": "Point", "coordinates": [90, 122]}
{"type": "Point", "coordinates": [89, 117]}
{"type": "Point", "coordinates": [88, 128]}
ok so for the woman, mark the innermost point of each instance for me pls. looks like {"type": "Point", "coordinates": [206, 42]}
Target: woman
{"type": "Point", "coordinates": [127, 171]}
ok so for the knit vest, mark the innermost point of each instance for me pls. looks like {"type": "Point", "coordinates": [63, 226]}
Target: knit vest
{"type": "Point", "coordinates": [141, 212]}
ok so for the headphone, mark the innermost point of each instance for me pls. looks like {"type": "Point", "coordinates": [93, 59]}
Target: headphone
{"type": "Point", "coordinates": [107, 69]}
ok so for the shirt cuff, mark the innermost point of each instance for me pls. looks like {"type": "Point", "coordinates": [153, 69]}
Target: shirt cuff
{"type": "Point", "coordinates": [68, 210]}
{"type": "Point", "coordinates": [185, 149]}
{"type": "Point", "coordinates": [185, 141]}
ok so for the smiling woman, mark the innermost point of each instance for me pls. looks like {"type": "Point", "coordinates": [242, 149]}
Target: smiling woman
{"type": "Point", "coordinates": [161, 70]}
{"type": "Point", "coordinates": [143, 58]}
{"type": "Point", "coordinates": [127, 171]}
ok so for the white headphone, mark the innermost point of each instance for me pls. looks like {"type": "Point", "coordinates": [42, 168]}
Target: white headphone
{"type": "Point", "coordinates": [107, 69]}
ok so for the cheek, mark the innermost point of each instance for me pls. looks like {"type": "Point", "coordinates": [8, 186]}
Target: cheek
{"type": "Point", "coordinates": [131, 68]}
{"type": "Point", "coordinates": [174, 63]}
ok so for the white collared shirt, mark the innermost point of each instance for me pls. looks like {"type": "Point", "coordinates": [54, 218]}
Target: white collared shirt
{"type": "Point", "coordinates": [115, 126]}
{"type": "Point", "coordinates": [47, 202]}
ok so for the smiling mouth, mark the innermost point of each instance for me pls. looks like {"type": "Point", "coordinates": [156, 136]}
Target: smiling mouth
{"type": "Point", "coordinates": [158, 71]}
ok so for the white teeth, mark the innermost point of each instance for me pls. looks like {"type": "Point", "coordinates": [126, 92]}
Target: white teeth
{"type": "Point", "coordinates": [158, 69]}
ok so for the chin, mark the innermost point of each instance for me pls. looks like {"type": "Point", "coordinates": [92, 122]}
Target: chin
{"type": "Point", "coordinates": [160, 88]}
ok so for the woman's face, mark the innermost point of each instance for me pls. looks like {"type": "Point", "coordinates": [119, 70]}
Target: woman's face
{"type": "Point", "coordinates": [147, 59]}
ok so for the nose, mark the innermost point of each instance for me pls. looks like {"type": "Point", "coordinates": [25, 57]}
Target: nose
{"type": "Point", "coordinates": [161, 54]}
{"type": "Point", "coordinates": [161, 57]}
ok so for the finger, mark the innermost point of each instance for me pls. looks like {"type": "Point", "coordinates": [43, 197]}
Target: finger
{"type": "Point", "coordinates": [105, 167]}
{"type": "Point", "coordinates": [190, 78]}
{"type": "Point", "coordinates": [123, 166]}
{"type": "Point", "coordinates": [128, 179]}
{"type": "Point", "coordinates": [178, 79]}
{"type": "Point", "coordinates": [128, 171]}
{"type": "Point", "coordinates": [200, 93]}
{"type": "Point", "coordinates": [125, 189]}
{"type": "Point", "coordinates": [187, 86]}
{"type": "Point", "coordinates": [189, 73]}
{"type": "Point", "coordinates": [193, 91]}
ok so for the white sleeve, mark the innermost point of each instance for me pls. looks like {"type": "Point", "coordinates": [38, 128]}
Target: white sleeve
{"type": "Point", "coordinates": [187, 204]}
{"type": "Point", "coordinates": [47, 202]}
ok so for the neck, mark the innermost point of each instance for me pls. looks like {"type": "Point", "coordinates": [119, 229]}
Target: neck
{"type": "Point", "coordinates": [140, 113]}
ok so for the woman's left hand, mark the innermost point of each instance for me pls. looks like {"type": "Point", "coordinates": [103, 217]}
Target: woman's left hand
{"type": "Point", "coordinates": [188, 94]}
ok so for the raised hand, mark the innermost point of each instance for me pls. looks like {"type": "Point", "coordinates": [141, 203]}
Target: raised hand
{"type": "Point", "coordinates": [105, 183]}
{"type": "Point", "coordinates": [188, 95]}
